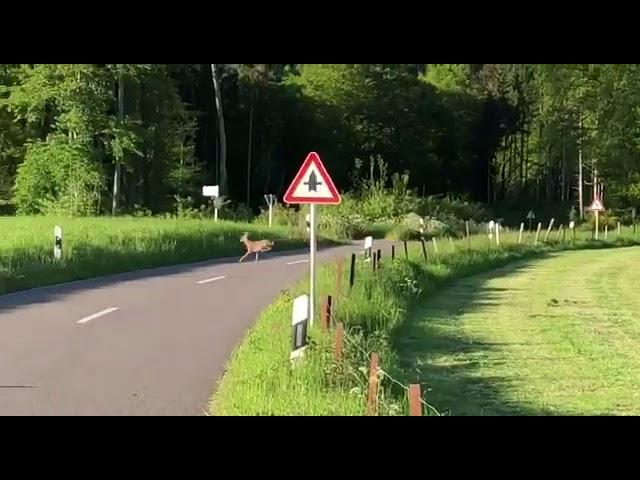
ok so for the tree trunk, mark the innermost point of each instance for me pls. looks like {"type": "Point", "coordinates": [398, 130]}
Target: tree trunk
{"type": "Point", "coordinates": [117, 165]}
{"type": "Point", "coordinates": [250, 153]}
{"type": "Point", "coordinates": [580, 180]}
{"type": "Point", "coordinates": [563, 179]}
{"type": "Point", "coordinates": [523, 157]}
{"type": "Point", "coordinates": [217, 87]}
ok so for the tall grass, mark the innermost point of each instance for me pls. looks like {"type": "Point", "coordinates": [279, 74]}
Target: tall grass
{"type": "Point", "coordinates": [260, 379]}
{"type": "Point", "coordinates": [99, 246]}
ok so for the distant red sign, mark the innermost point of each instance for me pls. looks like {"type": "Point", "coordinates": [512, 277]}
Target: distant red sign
{"type": "Point", "coordinates": [597, 206]}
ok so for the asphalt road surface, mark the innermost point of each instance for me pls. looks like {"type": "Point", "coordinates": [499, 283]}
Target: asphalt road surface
{"type": "Point", "coordinates": [144, 343]}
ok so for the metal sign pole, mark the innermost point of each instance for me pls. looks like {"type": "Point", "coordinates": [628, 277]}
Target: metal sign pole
{"type": "Point", "coordinates": [270, 214]}
{"type": "Point", "coordinates": [312, 186]}
{"type": "Point", "coordinates": [312, 245]}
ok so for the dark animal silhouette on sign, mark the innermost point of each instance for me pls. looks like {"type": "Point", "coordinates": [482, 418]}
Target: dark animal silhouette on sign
{"type": "Point", "coordinates": [257, 247]}
{"type": "Point", "coordinates": [313, 182]}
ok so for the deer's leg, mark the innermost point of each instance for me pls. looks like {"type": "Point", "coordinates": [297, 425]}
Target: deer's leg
{"type": "Point", "coordinates": [245, 256]}
{"type": "Point", "coordinates": [257, 256]}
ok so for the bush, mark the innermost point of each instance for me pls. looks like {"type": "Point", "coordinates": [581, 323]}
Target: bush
{"type": "Point", "coordinates": [449, 207]}
{"type": "Point", "coordinates": [283, 215]}
{"type": "Point", "coordinates": [238, 212]}
{"type": "Point", "coordinates": [605, 219]}
{"type": "Point", "coordinates": [58, 178]}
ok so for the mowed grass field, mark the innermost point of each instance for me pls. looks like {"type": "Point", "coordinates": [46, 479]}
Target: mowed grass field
{"type": "Point", "coordinates": [100, 246]}
{"type": "Point", "coordinates": [552, 336]}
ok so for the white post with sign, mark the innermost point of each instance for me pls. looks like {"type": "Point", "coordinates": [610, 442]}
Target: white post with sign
{"type": "Point", "coordinates": [57, 243]}
{"type": "Point", "coordinates": [368, 247]}
{"type": "Point", "coordinates": [213, 192]}
{"type": "Point", "coordinates": [271, 200]}
{"type": "Point", "coordinates": [312, 186]}
{"type": "Point", "coordinates": [597, 207]}
{"type": "Point", "coordinates": [299, 322]}
{"type": "Point", "coordinates": [492, 226]}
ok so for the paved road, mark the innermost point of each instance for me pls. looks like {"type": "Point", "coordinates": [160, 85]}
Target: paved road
{"type": "Point", "coordinates": [147, 343]}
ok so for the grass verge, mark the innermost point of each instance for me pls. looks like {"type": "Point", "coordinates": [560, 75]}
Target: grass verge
{"type": "Point", "coordinates": [101, 246]}
{"type": "Point", "coordinates": [260, 379]}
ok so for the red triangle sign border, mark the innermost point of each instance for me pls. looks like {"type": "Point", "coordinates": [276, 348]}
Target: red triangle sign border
{"type": "Point", "coordinates": [313, 159]}
{"type": "Point", "coordinates": [597, 206]}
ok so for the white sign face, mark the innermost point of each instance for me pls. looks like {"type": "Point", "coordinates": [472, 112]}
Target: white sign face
{"type": "Point", "coordinates": [300, 309]}
{"type": "Point", "coordinates": [572, 225]}
{"type": "Point", "coordinates": [368, 243]}
{"type": "Point", "coordinates": [211, 191]}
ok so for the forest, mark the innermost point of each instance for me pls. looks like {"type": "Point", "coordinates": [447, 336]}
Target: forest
{"type": "Point", "coordinates": [89, 139]}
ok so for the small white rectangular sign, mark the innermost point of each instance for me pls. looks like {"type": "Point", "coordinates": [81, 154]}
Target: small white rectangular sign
{"type": "Point", "coordinates": [300, 309]}
{"type": "Point", "coordinates": [368, 243]}
{"type": "Point", "coordinates": [211, 191]}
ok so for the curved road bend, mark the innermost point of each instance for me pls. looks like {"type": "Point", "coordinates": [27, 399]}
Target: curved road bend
{"type": "Point", "coordinates": [144, 343]}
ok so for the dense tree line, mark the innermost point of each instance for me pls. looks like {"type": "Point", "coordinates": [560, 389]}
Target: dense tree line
{"type": "Point", "coordinates": [101, 138]}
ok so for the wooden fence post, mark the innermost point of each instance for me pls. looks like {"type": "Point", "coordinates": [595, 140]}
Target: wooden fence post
{"type": "Point", "coordinates": [372, 399]}
{"type": "Point", "coordinates": [521, 232]}
{"type": "Point", "coordinates": [415, 401]}
{"type": "Point", "coordinates": [352, 275]}
{"type": "Point", "coordinates": [406, 251]}
{"type": "Point", "coordinates": [546, 237]}
{"type": "Point", "coordinates": [393, 252]}
{"type": "Point", "coordinates": [424, 250]}
{"type": "Point", "coordinates": [468, 234]}
{"type": "Point", "coordinates": [326, 313]}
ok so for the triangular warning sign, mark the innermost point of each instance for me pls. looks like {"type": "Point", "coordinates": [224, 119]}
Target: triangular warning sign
{"type": "Point", "coordinates": [312, 184]}
{"type": "Point", "coordinates": [596, 206]}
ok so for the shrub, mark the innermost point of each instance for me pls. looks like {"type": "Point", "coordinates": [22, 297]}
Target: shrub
{"type": "Point", "coordinates": [282, 215]}
{"type": "Point", "coordinates": [605, 219]}
{"type": "Point", "coordinates": [58, 178]}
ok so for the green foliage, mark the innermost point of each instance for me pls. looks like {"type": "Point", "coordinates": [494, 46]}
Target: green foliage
{"type": "Point", "coordinates": [147, 129]}
{"type": "Point", "coordinates": [283, 215]}
{"type": "Point", "coordinates": [506, 134]}
{"type": "Point", "coordinates": [58, 178]}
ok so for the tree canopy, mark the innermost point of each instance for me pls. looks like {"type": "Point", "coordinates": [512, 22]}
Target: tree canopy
{"type": "Point", "coordinates": [96, 138]}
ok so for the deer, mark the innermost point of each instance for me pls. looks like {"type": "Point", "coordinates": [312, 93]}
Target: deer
{"type": "Point", "coordinates": [257, 247]}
